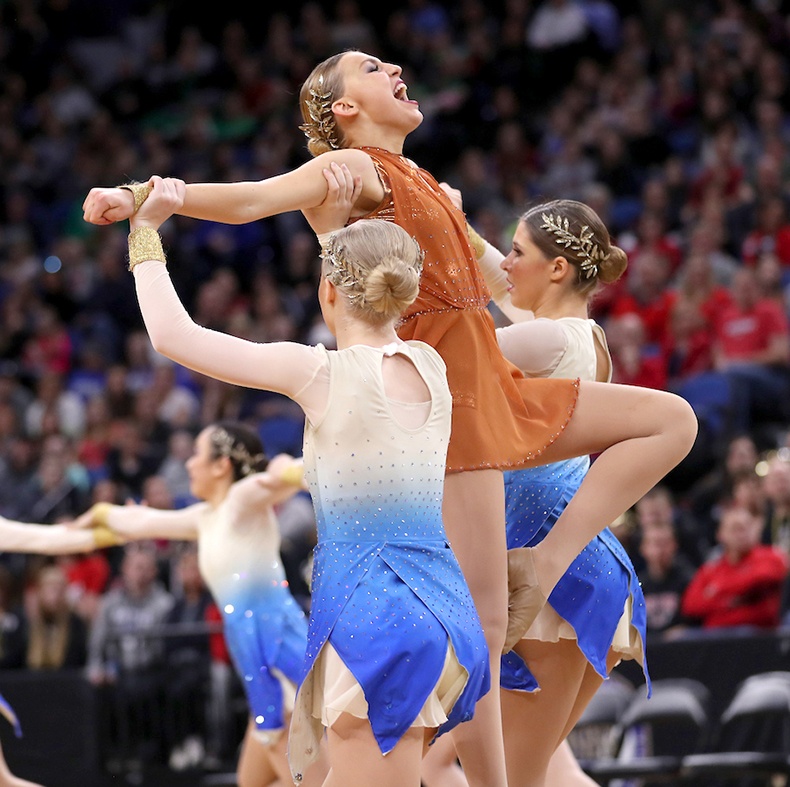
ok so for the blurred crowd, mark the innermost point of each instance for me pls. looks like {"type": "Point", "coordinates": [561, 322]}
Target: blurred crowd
{"type": "Point", "coordinates": [671, 119]}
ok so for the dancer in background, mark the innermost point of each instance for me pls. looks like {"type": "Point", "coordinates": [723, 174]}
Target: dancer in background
{"type": "Point", "coordinates": [42, 540]}
{"type": "Point", "coordinates": [357, 113]}
{"type": "Point", "coordinates": [395, 650]}
{"type": "Point", "coordinates": [561, 255]}
{"type": "Point", "coordinates": [238, 542]}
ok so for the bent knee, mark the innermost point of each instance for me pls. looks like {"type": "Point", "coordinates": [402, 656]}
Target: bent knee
{"type": "Point", "coordinates": [683, 421]}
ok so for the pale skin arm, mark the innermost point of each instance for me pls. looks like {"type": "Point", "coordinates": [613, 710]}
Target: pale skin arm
{"type": "Point", "coordinates": [43, 539]}
{"type": "Point", "coordinates": [284, 367]}
{"type": "Point", "coordinates": [304, 188]}
{"type": "Point", "coordinates": [139, 522]}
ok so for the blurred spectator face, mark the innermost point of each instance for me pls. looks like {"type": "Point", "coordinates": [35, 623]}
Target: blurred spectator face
{"type": "Point", "coordinates": [51, 587]}
{"type": "Point", "coordinates": [741, 456]}
{"type": "Point", "coordinates": [744, 288]}
{"type": "Point", "coordinates": [769, 273]}
{"type": "Point", "coordinates": [776, 482]}
{"type": "Point", "coordinates": [51, 472]}
{"type": "Point", "coordinates": [697, 273]}
{"type": "Point", "coordinates": [658, 547]}
{"type": "Point", "coordinates": [180, 445]}
{"type": "Point", "coordinates": [748, 493]}
{"type": "Point", "coordinates": [189, 573]}
{"type": "Point", "coordinates": [138, 571]}
{"type": "Point", "coordinates": [157, 493]}
{"type": "Point", "coordinates": [686, 319]}
{"type": "Point", "coordinates": [654, 510]}
{"type": "Point", "coordinates": [738, 532]}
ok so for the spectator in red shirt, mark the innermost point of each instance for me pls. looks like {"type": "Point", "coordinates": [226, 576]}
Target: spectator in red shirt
{"type": "Point", "coordinates": [742, 587]}
{"type": "Point", "coordinates": [771, 233]}
{"type": "Point", "coordinates": [687, 346]}
{"type": "Point", "coordinates": [634, 362]}
{"type": "Point", "coordinates": [698, 282]}
{"type": "Point", "coordinates": [752, 351]}
{"type": "Point", "coordinates": [647, 293]}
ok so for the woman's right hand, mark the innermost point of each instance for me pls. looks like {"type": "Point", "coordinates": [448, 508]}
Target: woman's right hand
{"type": "Point", "coordinates": [343, 190]}
{"type": "Point", "coordinates": [165, 199]}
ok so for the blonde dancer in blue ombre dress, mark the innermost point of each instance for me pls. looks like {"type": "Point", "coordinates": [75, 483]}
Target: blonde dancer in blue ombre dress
{"type": "Point", "coordinates": [394, 635]}
{"type": "Point", "coordinates": [396, 652]}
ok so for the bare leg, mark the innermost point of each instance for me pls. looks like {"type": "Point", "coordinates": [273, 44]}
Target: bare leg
{"type": "Point", "coordinates": [255, 767]}
{"type": "Point", "coordinates": [267, 766]}
{"type": "Point", "coordinates": [474, 517]}
{"type": "Point", "coordinates": [540, 718]}
{"type": "Point", "coordinates": [440, 766]}
{"type": "Point", "coordinates": [7, 779]}
{"type": "Point", "coordinates": [590, 685]}
{"type": "Point", "coordinates": [357, 761]}
{"type": "Point", "coordinates": [565, 771]}
{"type": "Point", "coordinates": [642, 434]}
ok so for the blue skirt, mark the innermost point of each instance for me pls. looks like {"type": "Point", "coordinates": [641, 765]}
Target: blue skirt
{"type": "Point", "coordinates": [266, 638]}
{"type": "Point", "coordinates": [390, 609]}
{"type": "Point", "coordinates": [592, 594]}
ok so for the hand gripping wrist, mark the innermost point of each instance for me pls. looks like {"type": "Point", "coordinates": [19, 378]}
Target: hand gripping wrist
{"type": "Point", "coordinates": [140, 192]}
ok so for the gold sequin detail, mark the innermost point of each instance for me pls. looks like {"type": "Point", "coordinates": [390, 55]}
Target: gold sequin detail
{"type": "Point", "coordinates": [145, 243]}
{"type": "Point", "coordinates": [140, 192]}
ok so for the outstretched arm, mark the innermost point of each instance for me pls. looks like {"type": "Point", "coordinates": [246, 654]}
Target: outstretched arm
{"type": "Point", "coordinates": [490, 259]}
{"type": "Point", "coordinates": [44, 539]}
{"type": "Point", "coordinates": [284, 367]}
{"type": "Point", "coordinates": [239, 203]}
{"type": "Point", "coordinates": [136, 522]}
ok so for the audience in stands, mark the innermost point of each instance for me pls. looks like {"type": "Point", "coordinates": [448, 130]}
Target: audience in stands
{"type": "Point", "coordinates": [740, 588]}
{"type": "Point", "coordinates": [670, 119]}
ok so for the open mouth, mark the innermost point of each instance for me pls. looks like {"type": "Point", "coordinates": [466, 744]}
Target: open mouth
{"type": "Point", "coordinates": [402, 93]}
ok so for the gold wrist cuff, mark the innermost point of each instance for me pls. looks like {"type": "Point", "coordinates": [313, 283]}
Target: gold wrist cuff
{"type": "Point", "coordinates": [100, 514]}
{"type": "Point", "coordinates": [478, 244]}
{"type": "Point", "coordinates": [104, 537]}
{"type": "Point", "coordinates": [145, 243]}
{"type": "Point", "coordinates": [293, 475]}
{"type": "Point", "coordinates": [140, 192]}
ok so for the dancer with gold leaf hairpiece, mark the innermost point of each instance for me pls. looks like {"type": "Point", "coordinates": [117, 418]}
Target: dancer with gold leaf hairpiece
{"type": "Point", "coordinates": [395, 651]}
{"type": "Point", "coordinates": [357, 113]}
{"type": "Point", "coordinates": [238, 542]}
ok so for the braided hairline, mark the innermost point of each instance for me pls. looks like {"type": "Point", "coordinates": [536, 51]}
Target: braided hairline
{"type": "Point", "coordinates": [350, 277]}
{"type": "Point", "coordinates": [322, 126]}
{"type": "Point", "coordinates": [343, 273]}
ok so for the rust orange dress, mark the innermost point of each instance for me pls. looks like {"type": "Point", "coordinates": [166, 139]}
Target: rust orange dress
{"type": "Point", "coordinates": [500, 418]}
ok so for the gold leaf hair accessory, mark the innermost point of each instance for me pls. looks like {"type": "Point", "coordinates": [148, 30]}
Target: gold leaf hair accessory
{"type": "Point", "coordinates": [321, 127]}
{"type": "Point", "coordinates": [224, 443]}
{"type": "Point", "coordinates": [589, 252]}
{"type": "Point", "coordinates": [342, 273]}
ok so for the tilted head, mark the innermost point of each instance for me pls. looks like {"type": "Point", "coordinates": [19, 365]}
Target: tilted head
{"type": "Point", "coordinates": [350, 85]}
{"type": "Point", "coordinates": [240, 445]}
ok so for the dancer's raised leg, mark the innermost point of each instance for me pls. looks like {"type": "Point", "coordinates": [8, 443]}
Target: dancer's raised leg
{"type": "Point", "coordinates": [640, 435]}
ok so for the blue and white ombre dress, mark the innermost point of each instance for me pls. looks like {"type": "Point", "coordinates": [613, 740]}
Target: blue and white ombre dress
{"type": "Point", "coordinates": [394, 635]}
{"type": "Point", "coordinates": [598, 601]}
{"type": "Point", "coordinates": [265, 629]}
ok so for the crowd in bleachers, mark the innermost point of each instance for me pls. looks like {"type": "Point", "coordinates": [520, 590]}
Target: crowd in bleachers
{"type": "Point", "coordinates": [671, 119]}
